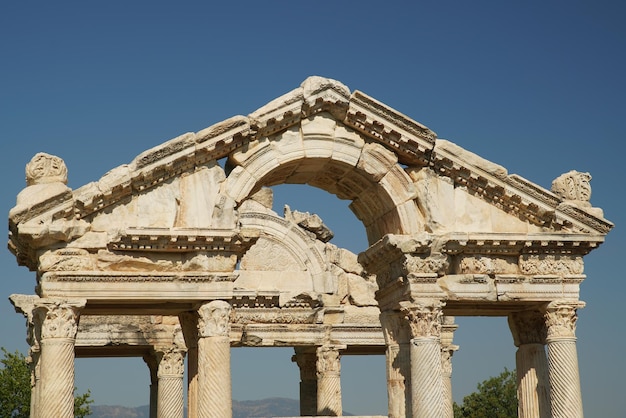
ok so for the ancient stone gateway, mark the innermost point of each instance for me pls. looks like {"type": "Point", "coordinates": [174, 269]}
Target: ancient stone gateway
{"type": "Point", "coordinates": [180, 254]}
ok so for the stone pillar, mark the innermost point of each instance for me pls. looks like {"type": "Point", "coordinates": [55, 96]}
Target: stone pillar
{"type": "Point", "coordinates": [189, 324]}
{"type": "Point", "coordinates": [58, 321]}
{"type": "Point", "coordinates": [447, 350]}
{"type": "Point", "coordinates": [397, 339]}
{"type": "Point", "coordinates": [153, 366]}
{"type": "Point", "coordinates": [170, 374]}
{"type": "Point", "coordinates": [565, 393]}
{"type": "Point", "coordinates": [306, 359]}
{"type": "Point", "coordinates": [533, 385]}
{"type": "Point", "coordinates": [329, 381]}
{"type": "Point", "coordinates": [214, 379]}
{"type": "Point", "coordinates": [426, 376]}
{"type": "Point", "coordinates": [25, 304]}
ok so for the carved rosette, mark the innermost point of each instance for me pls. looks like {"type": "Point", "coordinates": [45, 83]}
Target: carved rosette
{"type": "Point", "coordinates": [560, 318]}
{"type": "Point", "coordinates": [45, 168]}
{"type": "Point", "coordinates": [424, 319]}
{"type": "Point", "coordinates": [171, 362]}
{"type": "Point", "coordinates": [551, 264]}
{"type": "Point", "coordinates": [58, 319]}
{"type": "Point", "coordinates": [528, 327]}
{"type": "Point", "coordinates": [214, 319]}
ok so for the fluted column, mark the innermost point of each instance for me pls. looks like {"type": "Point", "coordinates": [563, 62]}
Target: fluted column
{"type": "Point", "coordinates": [170, 374]}
{"type": "Point", "coordinates": [25, 304]}
{"type": "Point", "coordinates": [565, 393]}
{"type": "Point", "coordinates": [189, 324]}
{"type": "Point", "coordinates": [306, 359]}
{"type": "Point", "coordinates": [153, 366]}
{"type": "Point", "coordinates": [398, 364]}
{"type": "Point", "coordinates": [533, 385]}
{"type": "Point", "coordinates": [329, 381]}
{"type": "Point", "coordinates": [214, 378]}
{"type": "Point", "coordinates": [58, 321]}
{"type": "Point", "coordinates": [447, 350]}
{"type": "Point", "coordinates": [426, 377]}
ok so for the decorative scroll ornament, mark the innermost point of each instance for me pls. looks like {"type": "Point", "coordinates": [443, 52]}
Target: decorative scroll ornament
{"type": "Point", "coordinates": [45, 168]}
{"type": "Point", "coordinates": [551, 264]}
{"type": "Point", "coordinates": [171, 362]}
{"type": "Point", "coordinates": [436, 263]}
{"type": "Point", "coordinates": [561, 318]}
{"type": "Point", "coordinates": [328, 360]}
{"type": "Point", "coordinates": [214, 320]}
{"type": "Point", "coordinates": [58, 319]}
{"type": "Point", "coordinates": [528, 327]}
{"type": "Point", "coordinates": [573, 185]}
{"type": "Point", "coordinates": [424, 319]}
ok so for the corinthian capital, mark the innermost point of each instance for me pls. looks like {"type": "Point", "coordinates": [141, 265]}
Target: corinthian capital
{"type": "Point", "coordinates": [424, 318]}
{"type": "Point", "coordinates": [528, 327]}
{"type": "Point", "coordinates": [58, 318]}
{"type": "Point", "coordinates": [214, 319]}
{"type": "Point", "coordinates": [560, 317]}
{"type": "Point", "coordinates": [171, 362]}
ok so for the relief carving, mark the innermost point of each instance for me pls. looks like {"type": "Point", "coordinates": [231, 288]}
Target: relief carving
{"type": "Point", "coordinates": [328, 360]}
{"type": "Point", "coordinates": [528, 327]}
{"type": "Point", "coordinates": [486, 265]}
{"type": "Point", "coordinates": [561, 318]}
{"type": "Point", "coordinates": [573, 185]}
{"type": "Point", "coordinates": [58, 319]}
{"type": "Point", "coordinates": [171, 362]}
{"type": "Point", "coordinates": [45, 168]}
{"type": "Point", "coordinates": [435, 263]}
{"type": "Point", "coordinates": [551, 264]}
{"type": "Point", "coordinates": [268, 255]}
{"type": "Point", "coordinates": [424, 319]}
{"type": "Point", "coordinates": [214, 319]}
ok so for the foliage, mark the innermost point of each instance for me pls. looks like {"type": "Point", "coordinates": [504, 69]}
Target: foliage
{"type": "Point", "coordinates": [496, 398]}
{"type": "Point", "coordinates": [15, 389]}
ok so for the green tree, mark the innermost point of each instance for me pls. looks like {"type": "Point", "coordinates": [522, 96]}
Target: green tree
{"type": "Point", "coordinates": [496, 398]}
{"type": "Point", "coordinates": [15, 389]}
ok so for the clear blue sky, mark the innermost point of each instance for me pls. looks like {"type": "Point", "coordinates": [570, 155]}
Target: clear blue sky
{"type": "Point", "coordinates": [538, 87]}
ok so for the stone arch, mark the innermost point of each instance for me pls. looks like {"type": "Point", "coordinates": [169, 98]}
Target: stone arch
{"type": "Point", "coordinates": [324, 153]}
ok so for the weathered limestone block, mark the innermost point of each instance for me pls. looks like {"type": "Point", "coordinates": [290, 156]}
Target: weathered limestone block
{"type": "Point", "coordinates": [469, 158]}
{"type": "Point", "coordinates": [362, 292]}
{"type": "Point", "coordinates": [347, 145]}
{"type": "Point", "coordinates": [309, 222]}
{"type": "Point", "coordinates": [376, 161]}
{"type": "Point", "coordinates": [199, 196]}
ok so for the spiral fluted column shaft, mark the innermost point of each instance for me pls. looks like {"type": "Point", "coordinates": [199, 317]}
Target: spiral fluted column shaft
{"type": "Point", "coordinates": [214, 377]}
{"type": "Point", "coordinates": [170, 398]}
{"type": "Point", "coordinates": [328, 382]}
{"type": "Point", "coordinates": [565, 394]}
{"type": "Point", "coordinates": [533, 389]}
{"type": "Point", "coordinates": [56, 397]}
{"type": "Point", "coordinates": [426, 379]}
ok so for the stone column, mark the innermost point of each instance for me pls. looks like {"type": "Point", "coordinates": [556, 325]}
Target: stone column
{"type": "Point", "coordinates": [214, 379]}
{"type": "Point", "coordinates": [58, 321]}
{"type": "Point", "coordinates": [397, 339]}
{"type": "Point", "coordinates": [189, 324]}
{"type": "Point", "coordinates": [170, 374]}
{"type": "Point", "coordinates": [329, 381]}
{"type": "Point", "coordinates": [306, 359]}
{"type": "Point", "coordinates": [447, 350]}
{"type": "Point", "coordinates": [565, 393]}
{"type": "Point", "coordinates": [25, 304]}
{"type": "Point", "coordinates": [153, 366]}
{"type": "Point", "coordinates": [426, 376]}
{"type": "Point", "coordinates": [533, 386]}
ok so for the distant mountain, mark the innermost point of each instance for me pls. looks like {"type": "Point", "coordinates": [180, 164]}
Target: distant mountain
{"type": "Point", "coordinates": [271, 407]}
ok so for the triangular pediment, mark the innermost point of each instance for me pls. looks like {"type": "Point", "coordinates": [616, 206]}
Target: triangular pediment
{"type": "Point", "coordinates": [390, 148]}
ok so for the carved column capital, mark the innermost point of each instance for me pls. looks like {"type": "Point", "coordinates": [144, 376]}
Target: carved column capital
{"type": "Point", "coordinates": [171, 362]}
{"type": "Point", "coordinates": [560, 318]}
{"type": "Point", "coordinates": [306, 359]}
{"type": "Point", "coordinates": [424, 318]}
{"type": "Point", "coordinates": [58, 318]}
{"type": "Point", "coordinates": [328, 361]}
{"type": "Point", "coordinates": [528, 327]}
{"type": "Point", "coordinates": [214, 319]}
{"type": "Point", "coordinates": [395, 328]}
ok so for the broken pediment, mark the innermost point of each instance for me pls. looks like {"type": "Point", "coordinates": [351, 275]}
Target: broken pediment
{"type": "Point", "coordinates": [176, 209]}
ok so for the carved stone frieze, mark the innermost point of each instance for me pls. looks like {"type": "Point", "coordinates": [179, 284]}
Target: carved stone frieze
{"type": "Point", "coordinates": [67, 259]}
{"type": "Point", "coordinates": [573, 185]}
{"type": "Point", "coordinates": [275, 316]}
{"type": "Point", "coordinates": [561, 317]}
{"type": "Point", "coordinates": [551, 264]}
{"type": "Point", "coordinates": [487, 265]}
{"type": "Point", "coordinates": [45, 168]}
{"type": "Point", "coordinates": [435, 263]}
{"type": "Point", "coordinates": [214, 318]}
